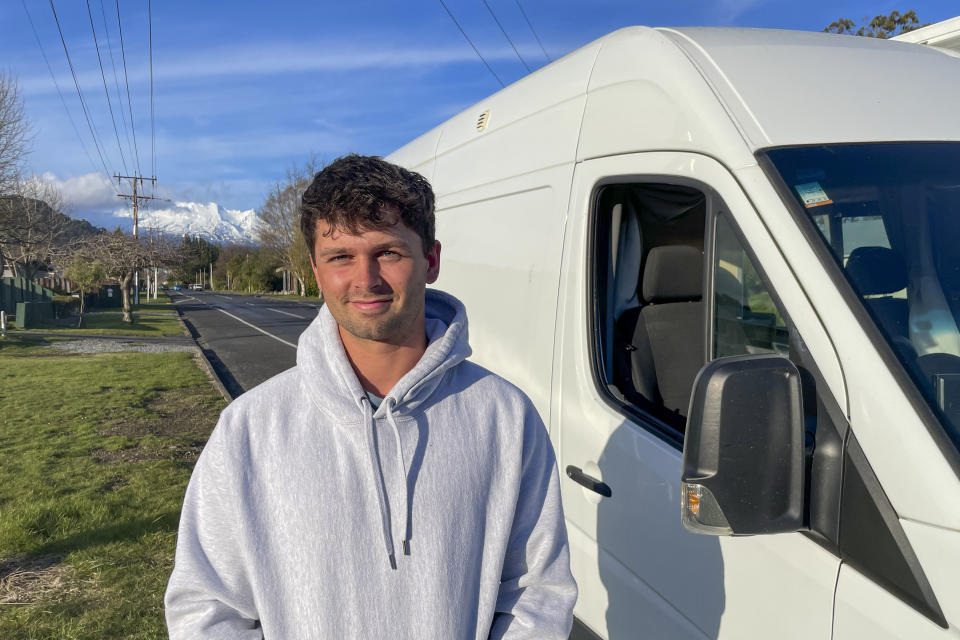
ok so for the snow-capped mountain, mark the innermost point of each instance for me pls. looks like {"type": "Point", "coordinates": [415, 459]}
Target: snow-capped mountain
{"type": "Point", "coordinates": [209, 221]}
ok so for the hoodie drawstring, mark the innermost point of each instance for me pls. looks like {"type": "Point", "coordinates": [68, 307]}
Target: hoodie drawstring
{"type": "Point", "coordinates": [378, 481]}
{"type": "Point", "coordinates": [403, 468]}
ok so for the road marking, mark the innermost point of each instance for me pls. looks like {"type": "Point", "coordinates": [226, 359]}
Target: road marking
{"type": "Point", "coordinates": [286, 313]}
{"type": "Point", "coordinates": [224, 298]}
{"type": "Point", "coordinates": [252, 326]}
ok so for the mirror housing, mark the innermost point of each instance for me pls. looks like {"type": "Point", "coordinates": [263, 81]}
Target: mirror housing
{"type": "Point", "coordinates": [743, 453]}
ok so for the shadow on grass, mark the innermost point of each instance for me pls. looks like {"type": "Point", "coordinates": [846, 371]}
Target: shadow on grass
{"type": "Point", "coordinates": [118, 532]}
{"type": "Point", "coordinates": [19, 344]}
{"type": "Point", "coordinates": [112, 324]}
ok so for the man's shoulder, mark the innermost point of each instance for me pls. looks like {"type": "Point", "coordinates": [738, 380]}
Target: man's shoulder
{"type": "Point", "coordinates": [470, 378]}
{"type": "Point", "coordinates": [280, 392]}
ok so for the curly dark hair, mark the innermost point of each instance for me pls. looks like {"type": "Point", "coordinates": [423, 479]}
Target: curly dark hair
{"type": "Point", "coordinates": [350, 193]}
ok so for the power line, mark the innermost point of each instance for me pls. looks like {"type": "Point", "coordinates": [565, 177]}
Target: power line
{"type": "Point", "coordinates": [504, 32]}
{"type": "Point", "coordinates": [116, 80]}
{"type": "Point", "coordinates": [477, 51]}
{"type": "Point", "coordinates": [153, 133]}
{"type": "Point", "coordinates": [57, 85]}
{"type": "Point", "coordinates": [83, 104]}
{"type": "Point", "coordinates": [106, 91]}
{"type": "Point", "coordinates": [546, 55]}
{"type": "Point", "coordinates": [126, 78]}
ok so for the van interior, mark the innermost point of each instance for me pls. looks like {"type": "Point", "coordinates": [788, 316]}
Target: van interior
{"type": "Point", "coordinates": [889, 215]}
{"type": "Point", "coordinates": [650, 278]}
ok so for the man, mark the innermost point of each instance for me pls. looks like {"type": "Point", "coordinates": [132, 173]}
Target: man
{"type": "Point", "coordinates": [384, 487]}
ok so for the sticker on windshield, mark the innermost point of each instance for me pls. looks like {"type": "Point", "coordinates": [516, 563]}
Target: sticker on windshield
{"type": "Point", "coordinates": [812, 194]}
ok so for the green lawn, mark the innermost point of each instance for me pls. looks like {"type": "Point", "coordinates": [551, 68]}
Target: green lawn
{"type": "Point", "coordinates": [95, 454]}
{"type": "Point", "coordinates": [148, 323]}
{"type": "Point", "coordinates": [156, 319]}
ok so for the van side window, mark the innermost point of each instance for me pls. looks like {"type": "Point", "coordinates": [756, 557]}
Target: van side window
{"type": "Point", "coordinates": [745, 317]}
{"type": "Point", "coordinates": [649, 241]}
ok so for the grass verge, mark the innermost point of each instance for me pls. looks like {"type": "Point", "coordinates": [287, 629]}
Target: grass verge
{"type": "Point", "coordinates": [152, 319]}
{"type": "Point", "coordinates": [112, 324]}
{"type": "Point", "coordinates": [95, 454]}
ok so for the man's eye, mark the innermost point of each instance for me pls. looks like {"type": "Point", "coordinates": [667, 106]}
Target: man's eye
{"type": "Point", "coordinates": [340, 258]}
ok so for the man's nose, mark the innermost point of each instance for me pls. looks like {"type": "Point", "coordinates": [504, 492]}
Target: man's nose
{"type": "Point", "coordinates": [368, 276]}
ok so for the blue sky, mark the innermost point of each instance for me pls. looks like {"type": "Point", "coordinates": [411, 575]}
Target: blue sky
{"type": "Point", "coordinates": [244, 90]}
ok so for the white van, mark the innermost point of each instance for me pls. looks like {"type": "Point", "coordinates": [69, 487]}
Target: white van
{"type": "Point", "coordinates": [780, 212]}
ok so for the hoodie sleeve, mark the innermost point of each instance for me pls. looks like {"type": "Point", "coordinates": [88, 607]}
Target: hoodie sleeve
{"type": "Point", "coordinates": [537, 590]}
{"type": "Point", "coordinates": [209, 593]}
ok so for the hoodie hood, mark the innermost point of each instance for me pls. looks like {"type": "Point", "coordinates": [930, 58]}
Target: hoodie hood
{"type": "Point", "coordinates": [336, 391]}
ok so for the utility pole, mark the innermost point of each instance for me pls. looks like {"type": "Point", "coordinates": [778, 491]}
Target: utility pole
{"type": "Point", "coordinates": [135, 180]}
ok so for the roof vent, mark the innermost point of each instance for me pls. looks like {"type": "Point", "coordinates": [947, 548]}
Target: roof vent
{"type": "Point", "coordinates": [483, 120]}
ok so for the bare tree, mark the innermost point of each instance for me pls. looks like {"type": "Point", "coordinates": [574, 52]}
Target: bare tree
{"type": "Point", "coordinates": [14, 133]}
{"type": "Point", "coordinates": [32, 226]}
{"type": "Point", "coordinates": [122, 255]}
{"type": "Point", "coordinates": [280, 233]}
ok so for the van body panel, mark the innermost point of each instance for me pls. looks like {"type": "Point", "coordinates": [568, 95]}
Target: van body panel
{"type": "Point", "coordinates": [660, 618]}
{"type": "Point", "coordinates": [512, 148]}
{"type": "Point", "coordinates": [508, 284]}
{"type": "Point", "coordinates": [785, 79]}
{"type": "Point", "coordinates": [866, 611]}
{"type": "Point", "coordinates": [725, 587]}
{"type": "Point", "coordinates": [521, 135]}
{"type": "Point", "coordinates": [939, 552]}
{"type": "Point", "coordinates": [562, 81]}
{"type": "Point", "coordinates": [634, 105]}
{"type": "Point", "coordinates": [918, 480]}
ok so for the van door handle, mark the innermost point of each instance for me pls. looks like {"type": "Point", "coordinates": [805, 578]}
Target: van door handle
{"type": "Point", "coordinates": [577, 475]}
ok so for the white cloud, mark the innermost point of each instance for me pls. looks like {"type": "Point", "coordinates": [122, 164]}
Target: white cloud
{"type": "Point", "coordinates": [270, 58]}
{"type": "Point", "coordinates": [89, 191]}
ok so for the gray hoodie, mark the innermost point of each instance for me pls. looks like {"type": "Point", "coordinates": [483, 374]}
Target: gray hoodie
{"type": "Point", "coordinates": [435, 516]}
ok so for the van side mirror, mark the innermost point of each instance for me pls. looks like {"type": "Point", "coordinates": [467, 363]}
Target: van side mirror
{"type": "Point", "coordinates": [743, 454]}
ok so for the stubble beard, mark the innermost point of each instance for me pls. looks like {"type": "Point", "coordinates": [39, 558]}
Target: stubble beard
{"type": "Point", "coordinates": [389, 327]}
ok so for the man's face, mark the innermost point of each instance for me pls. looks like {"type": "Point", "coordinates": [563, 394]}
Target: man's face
{"type": "Point", "coordinates": [373, 283]}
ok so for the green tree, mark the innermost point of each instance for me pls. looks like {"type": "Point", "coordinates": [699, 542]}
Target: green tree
{"type": "Point", "coordinates": [86, 273]}
{"type": "Point", "coordinates": [248, 269]}
{"type": "Point", "coordinates": [195, 256]}
{"type": "Point", "coordinates": [880, 26]}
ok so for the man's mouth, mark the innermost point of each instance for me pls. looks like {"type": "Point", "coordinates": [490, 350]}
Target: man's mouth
{"type": "Point", "coordinates": [371, 305]}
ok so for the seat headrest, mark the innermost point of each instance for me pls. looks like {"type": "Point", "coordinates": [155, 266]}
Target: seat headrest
{"type": "Point", "coordinates": [876, 270]}
{"type": "Point", "coordinates": [673, 274]}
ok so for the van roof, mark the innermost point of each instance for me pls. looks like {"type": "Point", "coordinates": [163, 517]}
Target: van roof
{"type": "Point", "coordinates": [701, 89]}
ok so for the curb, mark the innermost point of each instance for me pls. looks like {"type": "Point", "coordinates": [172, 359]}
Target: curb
{"type": "Point", "coordinates": [204, 360]}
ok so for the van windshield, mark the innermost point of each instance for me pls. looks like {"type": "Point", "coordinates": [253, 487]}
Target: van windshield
{"type": "Point", "coordinates": [890, 214]}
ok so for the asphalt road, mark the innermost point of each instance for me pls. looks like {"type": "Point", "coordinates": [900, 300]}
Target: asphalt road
{"type": "Point", "coordinates": [248, 339]}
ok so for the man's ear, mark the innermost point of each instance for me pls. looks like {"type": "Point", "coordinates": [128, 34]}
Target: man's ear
{"type": "Point", "coordinates": [433, 263]}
